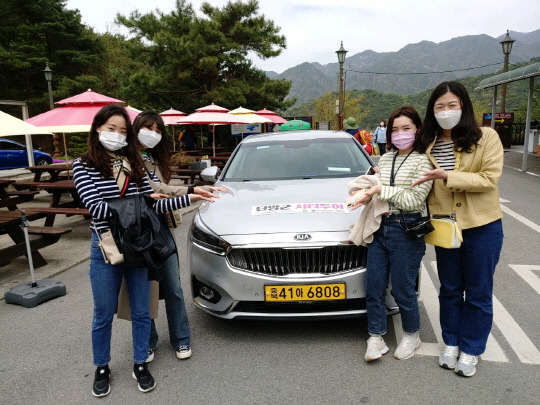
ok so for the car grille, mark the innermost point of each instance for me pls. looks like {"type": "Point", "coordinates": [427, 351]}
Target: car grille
{"type": "Point", "coordinates": [328, 260]}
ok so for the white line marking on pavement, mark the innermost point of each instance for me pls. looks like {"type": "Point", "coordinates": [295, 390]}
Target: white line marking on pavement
{"type": "Point", "coordinates": [502, 200]}
{"type": "Point", "coordinates": [521, 218]}
{"type": "Point", "coordinates": [518, 340]}
{"type": "Point", "coordinates": [526, 273]}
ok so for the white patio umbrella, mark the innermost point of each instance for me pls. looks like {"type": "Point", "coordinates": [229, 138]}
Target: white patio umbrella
{"type": "Point", "coordinates": [249, 115]}
{"type": "Point", "coordinates": [10, 125]}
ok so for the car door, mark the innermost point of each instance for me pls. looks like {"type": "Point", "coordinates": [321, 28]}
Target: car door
{"type": "Point", "coordinates": [12, 155]}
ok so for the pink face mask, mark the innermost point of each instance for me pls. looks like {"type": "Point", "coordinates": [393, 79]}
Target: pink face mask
{"type": "Point", "coordinates": [403, 140]}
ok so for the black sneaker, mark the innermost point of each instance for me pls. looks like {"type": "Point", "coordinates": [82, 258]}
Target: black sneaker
{"type": "Point", "coordinates": [143, 377]}
{"type": "Point", "coordinates": [101, 386]}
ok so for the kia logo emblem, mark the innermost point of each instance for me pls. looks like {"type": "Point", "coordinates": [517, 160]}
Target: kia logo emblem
{"type": "Point", "coordinates": [302, 236]}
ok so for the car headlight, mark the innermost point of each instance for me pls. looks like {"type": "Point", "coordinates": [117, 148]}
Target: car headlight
{"type": "Point", "coordinates": [203, 236]}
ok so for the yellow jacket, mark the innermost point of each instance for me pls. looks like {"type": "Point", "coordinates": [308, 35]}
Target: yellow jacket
{"type": "Point", "coordinates": [474, 185]}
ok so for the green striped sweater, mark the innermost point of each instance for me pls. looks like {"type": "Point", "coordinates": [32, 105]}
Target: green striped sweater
{"type": "Point", "coordinates": [401, 196]}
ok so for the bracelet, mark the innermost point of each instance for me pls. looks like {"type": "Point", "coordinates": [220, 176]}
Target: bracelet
{"type": "Point", "coordinates": [190, 190]}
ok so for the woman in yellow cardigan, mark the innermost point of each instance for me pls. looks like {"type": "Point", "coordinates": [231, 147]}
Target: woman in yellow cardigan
{"type": "Point", "coordinates": [469, 162]}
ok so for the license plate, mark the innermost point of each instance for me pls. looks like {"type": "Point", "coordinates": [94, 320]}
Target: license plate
{"type": "Point", "coordinates": [305, 292]}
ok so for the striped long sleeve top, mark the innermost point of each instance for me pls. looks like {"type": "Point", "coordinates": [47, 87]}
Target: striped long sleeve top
{"type": "Point", "coordinates": [401, 196]}
{"type": "Point", "coordinates": [95, 191]}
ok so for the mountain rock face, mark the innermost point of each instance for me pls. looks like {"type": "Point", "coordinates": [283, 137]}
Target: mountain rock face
{"type": "Point", "coordinates": [381, 71]}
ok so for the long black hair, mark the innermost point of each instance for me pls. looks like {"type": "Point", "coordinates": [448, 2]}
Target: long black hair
{"type": "Point", "coordinates": [465, 134]}
{"type": "Point", "coordinates": [406, 111]}
{"type": "Point", "coordinates": [97, 155]}
{"type": "Point", "coordinates": [159, 153]}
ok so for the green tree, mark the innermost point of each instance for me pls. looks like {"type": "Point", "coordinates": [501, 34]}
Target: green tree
{"type": "Point", "coordinates": [39, 31]}
{"type": "Point", "coordinates": [190, 61]}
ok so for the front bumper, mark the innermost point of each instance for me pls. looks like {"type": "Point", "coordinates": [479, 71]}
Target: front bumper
{"type": "Point", "coordinates": [241, 293]}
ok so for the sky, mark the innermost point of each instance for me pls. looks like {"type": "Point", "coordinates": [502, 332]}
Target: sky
{"type": "Point", "coordinates": [314, 29]}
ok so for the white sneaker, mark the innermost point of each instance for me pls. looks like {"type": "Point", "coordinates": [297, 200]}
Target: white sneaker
{"type": "Point", "coordinates": [448, 357]}
{"type": "Point", "coordinates": [375, 348]}
{"type": "Point", "coordinates": [409, 343]}
{"type": "Point", "coordinates": [183, 352]}
{"type": "Point", "coordinates": [466, 366]}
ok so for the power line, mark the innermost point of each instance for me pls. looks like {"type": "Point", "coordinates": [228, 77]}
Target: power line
{"type": "Point", "coordinates": [422, 73]}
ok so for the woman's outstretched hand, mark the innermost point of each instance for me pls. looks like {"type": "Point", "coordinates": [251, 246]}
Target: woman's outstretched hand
{"type": "Point", "coordinates": [209, 194]}
{"type": "Point", "coordinates": [199, 197]}
{"type": "Point", "coordinates": [158, 196]}
{"type": "Point", "coordinates": [431, 175]}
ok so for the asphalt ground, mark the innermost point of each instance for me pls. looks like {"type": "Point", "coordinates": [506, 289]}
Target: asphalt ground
{"type": "Point", "coordinates": [46, 351]}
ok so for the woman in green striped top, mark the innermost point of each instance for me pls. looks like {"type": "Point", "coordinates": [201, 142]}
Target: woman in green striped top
{"type": "Point", "coordinates": [394, 253]}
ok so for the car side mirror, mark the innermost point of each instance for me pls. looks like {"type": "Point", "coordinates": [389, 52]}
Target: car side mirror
{"type": "Point", "coordinates": [210, 174]}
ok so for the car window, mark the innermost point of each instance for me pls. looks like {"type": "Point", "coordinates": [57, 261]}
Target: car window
{"type": "Point", "coordinates": [9, 146]}
{"type": "Point", "coordinates": [297, 159]}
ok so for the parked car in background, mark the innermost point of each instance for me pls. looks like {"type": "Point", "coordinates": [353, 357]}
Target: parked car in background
{"type": "Point", "coordinates": [13, 155]}
{"type": "Point", "coordinates": [276, 245]}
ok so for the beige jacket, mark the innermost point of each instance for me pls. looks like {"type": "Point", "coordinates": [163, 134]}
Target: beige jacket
{"type": "Point", "coordinates": [369, 220]}
{"type": "Point", "coordinates": [473, 185]}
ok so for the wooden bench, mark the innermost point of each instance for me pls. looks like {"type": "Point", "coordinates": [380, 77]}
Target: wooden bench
{"type": "Point", "coordinates": [46, 236]}
{"type": "Point", "coordinates": [31, 185]}
{"type": "Point", "coordinates": [185, 179]}
{"type": "Point", "coordinates": [10, 199]}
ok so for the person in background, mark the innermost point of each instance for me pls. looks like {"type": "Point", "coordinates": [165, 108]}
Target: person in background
{"type": "Point", "coordinates": [189, 138]}
{"type": "Point", "coordinates": [380, 137]}
{"type": "Point", "coordinates": [113, 158]}
{"type": "Point", "coordinates": [394, 253]}
{"type": "Point", "coordinates": [150, 128]}
{"type": "Point", "coordinates": [350, 126]}
{"type": "Point", "coordinates": [468, 164]}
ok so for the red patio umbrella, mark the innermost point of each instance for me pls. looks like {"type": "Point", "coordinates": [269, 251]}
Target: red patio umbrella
{"type": "Point", "coordinates": [170, 117]}
{"type": "Point", "coordinates": [76, 114]}
{"type": "Point", "coordinates": [210, 115]}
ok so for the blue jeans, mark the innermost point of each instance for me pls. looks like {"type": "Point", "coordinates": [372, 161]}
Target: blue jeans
{"type": "Point", "coordinates": [393, 255]}
{"type": "Point", "coordinates": [466, 294]}
{"type": "Point", "coordinates": [106, 280]}
{"type": "Point", "coordinates": [179, 333]}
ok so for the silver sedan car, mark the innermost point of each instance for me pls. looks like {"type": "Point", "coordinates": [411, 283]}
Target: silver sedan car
{"type": "Point", "coordinates": [276, 245]}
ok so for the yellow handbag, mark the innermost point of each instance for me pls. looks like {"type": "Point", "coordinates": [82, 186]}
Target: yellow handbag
{"type": "Point", "coordinates": [447, 233]}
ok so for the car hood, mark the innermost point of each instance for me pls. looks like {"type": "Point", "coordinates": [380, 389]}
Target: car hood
{"type": "Point", "coordinates": [234, 213]}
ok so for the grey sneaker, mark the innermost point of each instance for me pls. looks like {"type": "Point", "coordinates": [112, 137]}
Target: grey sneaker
{"type": "Point", "coordinates": [375, 348]}
{"type": "Point", "coordinates": [448, 357]}
{"type": "Point", "coordinates": [150, 356]}
{"type": "Point", "coordinates": [466, 366]}
{"type": "Point", "coordinates": [183, 352]}
{"type": "Point", "coordinates": [409, 343]}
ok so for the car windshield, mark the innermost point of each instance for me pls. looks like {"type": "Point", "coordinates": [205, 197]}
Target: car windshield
{"type": "Point", "coordinates": [297, 159]}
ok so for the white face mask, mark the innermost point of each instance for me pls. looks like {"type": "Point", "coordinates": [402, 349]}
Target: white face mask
{"type": "Point", "coordinates": [448, 119]}
{"type": "Point", "coordinates": [148, 138]}
{"type": "Point", "coordinates": [112, 140]}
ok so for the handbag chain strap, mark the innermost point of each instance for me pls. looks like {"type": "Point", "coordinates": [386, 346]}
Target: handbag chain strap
{"type": "Point", "coordinates": [456, 167]}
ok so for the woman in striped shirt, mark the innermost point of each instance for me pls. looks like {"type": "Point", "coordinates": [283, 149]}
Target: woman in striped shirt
{"type": "Point", "coordinates": [113, 158]}
{"type": "Point", "coordinates": [394, 253]}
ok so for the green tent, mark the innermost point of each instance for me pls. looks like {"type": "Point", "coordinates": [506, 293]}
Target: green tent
{"type": "Point", "coordinates": [295, 125]}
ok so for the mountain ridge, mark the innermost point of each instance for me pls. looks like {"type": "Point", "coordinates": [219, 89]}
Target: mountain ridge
{"type": "Point", "coordinates": [389, 71]}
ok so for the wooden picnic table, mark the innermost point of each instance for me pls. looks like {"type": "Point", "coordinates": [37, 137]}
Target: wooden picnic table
{"type": "Point", "coordinates": [187, 174]}
{"type": "Point", "coordinates": [10, 223]}
{"type": "Point", "coordinates": [10, 199]}
{"type": "Point", "coordinates": [73, 207]}
{"type": "Point", "coordinates": [53, 170]}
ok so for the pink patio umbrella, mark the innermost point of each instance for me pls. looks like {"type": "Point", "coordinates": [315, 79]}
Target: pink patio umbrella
{"type": "Point", "coordinates": [210, 115]}
{"type": "Point", "coordinates": [75, 114]}
{"type": "Point", "coordinates": [170, 117]}
{"type": "Point", "coordinates": [272, 116]}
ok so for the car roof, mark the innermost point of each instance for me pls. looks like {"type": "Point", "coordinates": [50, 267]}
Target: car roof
{"type": "Point", "coordinates": [296, 136]}
{"type": "Point", "coordinates": [11, 141]}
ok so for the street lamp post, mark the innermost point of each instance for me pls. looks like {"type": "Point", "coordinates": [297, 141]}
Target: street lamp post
{"type": "Point", "coordinates": [341, 52]}
{"type": "Point", "coordinates": [56, 139]}
{"type": "Point", "coordinates": [48, 76]}
{"type": "Point", "coordinates": [507, 48]}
